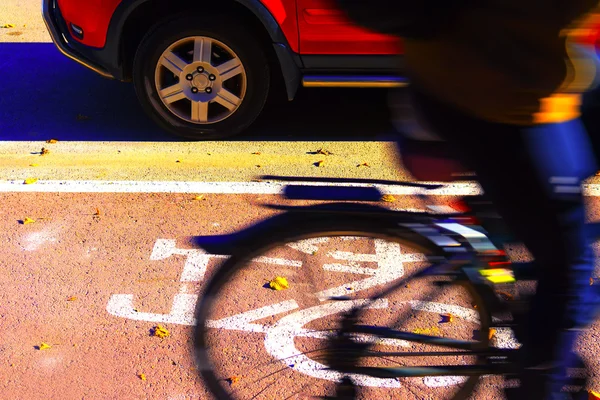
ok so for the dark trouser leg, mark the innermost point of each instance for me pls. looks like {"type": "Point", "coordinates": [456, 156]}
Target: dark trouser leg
{"type": "Point", "coordinates": [533, 176]}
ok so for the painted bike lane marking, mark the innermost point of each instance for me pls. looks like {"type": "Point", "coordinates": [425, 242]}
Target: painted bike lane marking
{"type": "Point", "coordinates": [279, 338]}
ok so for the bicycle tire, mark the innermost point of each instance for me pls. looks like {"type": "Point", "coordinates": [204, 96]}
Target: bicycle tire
{"type": "Point", "coordinates": [301, 226]}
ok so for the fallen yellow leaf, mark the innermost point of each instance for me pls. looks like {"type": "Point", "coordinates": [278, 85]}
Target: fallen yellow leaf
{"type": "Point", "coordinates": [319, 163]}
{"type": "Point", "coordinates": [97, 213]}
{"type": "Point", "coordinates": [29, 181]}
{"type": "Point", "coordinates": [233, 380]}
{"type": "Point", "coordinates": [256, 153]}
{"type": "Point", "coordinates": [388, 198]}
{"type": "Point", "coordinates": [161, 332]}
{"type": "Point", "coordinates": [200, 197]}
{"type": "Point", "coordinates": [257, 165]}
{"type": "Point", "coordinates": [279, 283]}
{"type": "Point", "coordinates": [28, 220]}
{"type": "Point", "coordinates": [44, 346]}
{"type": "Point", "coordinates": [44, 151]}
{"type": "Point", "coordinates": [52, 141]}
{"type": "Point", "coordinates": [8, 26]}
{"type": "Point", "coordinates": [364, 165]}
{"type": "Point", "coordinates": [492, 333]}
{"type": "Point", "coordinates": [447, 318]}
{"type": "Point", "coordinates": [177, 161]}
{"type": "Point", "coordinates": [72, 298]}
{"type": "Point", "coordinates": [142, 376]}
{"type": "Point", "coordinates": [33, 165]}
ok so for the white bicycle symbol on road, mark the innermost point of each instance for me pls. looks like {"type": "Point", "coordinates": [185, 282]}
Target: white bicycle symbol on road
{"type": "Point", "coordinates": [279, 338]}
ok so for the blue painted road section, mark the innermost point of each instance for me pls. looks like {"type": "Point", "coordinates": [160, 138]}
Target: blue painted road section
{"type": "Point", "coordinates": [43, 92]}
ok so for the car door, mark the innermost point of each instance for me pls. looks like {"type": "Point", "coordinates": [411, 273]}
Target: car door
{"type": "Point", "coordinates": [324, 29]}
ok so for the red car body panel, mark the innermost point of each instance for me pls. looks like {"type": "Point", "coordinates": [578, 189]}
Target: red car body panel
{"type": "Point", "coordinates": [93, 16]}
{"type": "Point", "coordinates": [310, 26]}
{"type": "Point", "coordinates": [284, 12]}
{"type": "Point", "coordinates": [324, 29]}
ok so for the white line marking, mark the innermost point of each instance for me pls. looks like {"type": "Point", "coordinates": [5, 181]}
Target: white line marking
{"type": "Point", "coordinates": [279, 342]}
{"type": "Point", "coordinates": [349, 269]}
{"type": "Point", "coordinates": [196, 259]}
{"type": "Point", "coordinates": [440, 308]}
{"type": "Point", "coordinates": [264, 187]}
{"type": "Point", "coordinates": [308, 245]}
{"type": "Point", "coordinates": [182, 312]}
{"type": "Point", "coordinates": [242, 321]}
{"type": "Point", "coordinates": [278, 261]}
{"type": "Point", "coordinates": [389, 259]}
{"type": "Point", "coordinates": [443, 381]}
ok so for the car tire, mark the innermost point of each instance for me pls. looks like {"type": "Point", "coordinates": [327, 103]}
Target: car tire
{"type": "Point", "coordinates": [197, 93]}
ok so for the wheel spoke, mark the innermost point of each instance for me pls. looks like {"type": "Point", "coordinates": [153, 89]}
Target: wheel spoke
{"type": "Point", "coordinates": [227, 99]}
{"type": "Point", "coordinates": [200, 111]}
{"type": "Point", "coordinates": [172, 93]}
{"type": "Point", "coordinates": [230, 69]}
{"type": "Point", "coordinates": [202, 50]}
{"type": "Point", "coordinates": [173, 62]}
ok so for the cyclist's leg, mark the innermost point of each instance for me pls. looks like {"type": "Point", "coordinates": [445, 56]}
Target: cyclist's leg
{"type": "Point", "coordinates": [547, 215]}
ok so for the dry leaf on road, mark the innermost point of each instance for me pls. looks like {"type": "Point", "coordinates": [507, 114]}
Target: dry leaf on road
{"type": "Point", "coordinates": [256, 153]}
{"type": "Point", "coordinates": [142, 376]}
{"type": "Point", "coordinates": [279, 283]}
{"type": "Point", "coordinates": [52, 141]}
{"type": "Point", "coordinates": [7, 26]}
{"type": "Point", "coordinates": [364, 165]}
{"type": "Point", "coordinates": [72, 298]}
{"type": "Point", "coordinates": [447, 318]}
{"type": "Point", "coordinates": [161, 332]}
{"type": "Point", "coordinates": [200, 197]}
{"type": "Point", "coordinates": [233, 380]}
{"type": "Point", "coordinates": [29, 181]}
{"type": "Point", "coordinates": [318, 163]}
{"type": "Point", "coordinates": [388, 198]}
{"type": "Point", "coordinates": [324, 152]}
{"type": "Point", "coordinates": [44, 151]}
{"type": "Point", "coordinates": [43, 346]}
{"type": "Point", "coordinates": [28, 220]}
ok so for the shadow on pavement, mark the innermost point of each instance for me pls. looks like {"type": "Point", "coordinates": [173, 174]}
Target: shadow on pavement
{"type": "Point", "coordinates": [46, 95]}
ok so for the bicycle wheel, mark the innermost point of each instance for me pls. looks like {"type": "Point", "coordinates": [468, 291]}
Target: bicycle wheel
{"type": "Point", "coordinates": [253, 342]}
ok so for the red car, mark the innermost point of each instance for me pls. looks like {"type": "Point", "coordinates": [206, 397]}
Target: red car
{"type": "Point", "coordinates": [203, 69]}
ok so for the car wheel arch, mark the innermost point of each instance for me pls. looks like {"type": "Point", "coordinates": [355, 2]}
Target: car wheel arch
{"type": "Point", "coordinates": [128, 11]}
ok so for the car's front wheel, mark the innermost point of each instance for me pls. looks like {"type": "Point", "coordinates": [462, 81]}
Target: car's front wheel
{"type": "Point", "coordinates": [201, 78]}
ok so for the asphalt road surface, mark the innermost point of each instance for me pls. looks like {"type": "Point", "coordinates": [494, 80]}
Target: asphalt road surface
{"type": "Point", "coordinates": [97, 251]}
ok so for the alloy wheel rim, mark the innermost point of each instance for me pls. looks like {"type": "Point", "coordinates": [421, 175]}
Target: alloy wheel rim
{"type": "Point", "coordinates": [201, 80]}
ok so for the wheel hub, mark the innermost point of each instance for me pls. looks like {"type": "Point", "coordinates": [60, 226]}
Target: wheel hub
{"type": "Point", "coordinates": [200, 82]}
